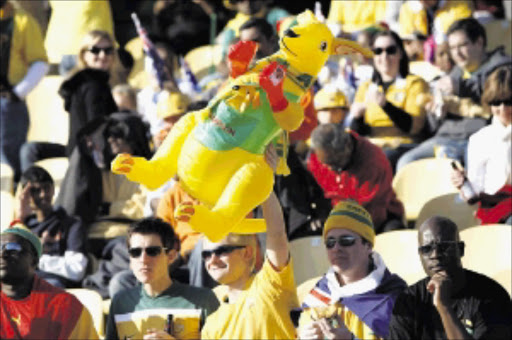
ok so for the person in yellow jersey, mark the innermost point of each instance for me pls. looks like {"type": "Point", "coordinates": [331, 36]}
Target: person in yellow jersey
{"type": "Point", "coordinates": [23, 64]}
{"type": "Point", "coordinates": [255, 306]}
{"type": "Point", "coordinates": [389, 109]}
{"type": "Point", "coordinates": [431, 17]}
{"type": "Point", "coordinates": [355, 298]}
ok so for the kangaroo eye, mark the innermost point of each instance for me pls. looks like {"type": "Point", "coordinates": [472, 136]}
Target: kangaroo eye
{"type": "Point", "coordinates": [323, 46]}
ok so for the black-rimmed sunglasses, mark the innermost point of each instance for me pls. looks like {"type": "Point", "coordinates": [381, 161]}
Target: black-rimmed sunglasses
{"type": "Point", "coordinates": [12, 248]}
{"type": "Point", "coordinates": [343, 241]}
{"type": "Point", "coordinates": [97, 50]}
{"type": "Point", "coordinates": [227, 249]}
{"type": "Point", "coordinates": [498, 102]}
{"type": "Point", "coordinates": [440, 247]}
{"type": "Point", "coordinates": [152, 251]}
{"type": "Point", "coordinates": [390, 50]}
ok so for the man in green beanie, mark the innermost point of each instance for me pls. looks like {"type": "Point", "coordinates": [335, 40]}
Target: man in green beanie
{"type": "Point", "coordinates": [355, 298]}
{"type": "Point", "coordinates": [31, 307]}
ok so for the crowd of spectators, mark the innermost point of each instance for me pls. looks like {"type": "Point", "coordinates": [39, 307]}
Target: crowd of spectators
{"type": "Point", "coordinates": [434, 88]}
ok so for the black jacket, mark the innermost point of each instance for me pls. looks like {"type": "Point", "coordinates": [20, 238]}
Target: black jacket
{"type": "Point", "coordinates": [86, 97]}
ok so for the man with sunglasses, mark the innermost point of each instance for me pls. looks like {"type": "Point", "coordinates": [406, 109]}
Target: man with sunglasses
{"type": "Point", "coordinates": [354, 299]}
{"type": "Point", "coordinates": [144, 311]}
{"type": "Point", "coordinates": [452, 302]}
{"type": "Point", "coordinates": [31, 308]}
{"type": "Point", "coordinates": [256, 305]}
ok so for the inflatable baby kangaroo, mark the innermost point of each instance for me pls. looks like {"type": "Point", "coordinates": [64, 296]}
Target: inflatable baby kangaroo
{"type": "Point", "coordinates": [218, 152]}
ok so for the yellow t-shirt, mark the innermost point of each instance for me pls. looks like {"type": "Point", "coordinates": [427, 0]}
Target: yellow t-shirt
{"type": "Point", "coordinates": [261, 312]}
{"type": "Point", "coordinates": [351, 320]}
{"type": "Point", "coordinates": [71, 21]}
{"type": "Point", "coordinates": [355, 16]}
{"type": "Point", "coordinates": [413, 18]}
{"type": "Point", "coordinates": [408, 94]}
{"type": "Point", "coordinates": [26, 43]}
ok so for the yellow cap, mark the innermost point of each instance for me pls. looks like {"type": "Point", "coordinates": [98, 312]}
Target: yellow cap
{"type": "Point", "coordinates": [330, 99]}
{"type": "Point", "coordinates": [172, 104]}
{"type": "Point", "coordinates": [352, 216]}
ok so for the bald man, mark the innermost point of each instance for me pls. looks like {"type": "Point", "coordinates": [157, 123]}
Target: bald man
{"type": "Point", "coordinates": [452, 302]}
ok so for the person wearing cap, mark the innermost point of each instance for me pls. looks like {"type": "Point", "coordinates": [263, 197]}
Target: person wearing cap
{"type": "Point", "coordinates": [332, 106]}
{"type": "Point", "coordinates": [31, 308]}
{"type": "Point", "coordinates": [355, 298]}
{"type": "Point", "coordinates": [170, 107]}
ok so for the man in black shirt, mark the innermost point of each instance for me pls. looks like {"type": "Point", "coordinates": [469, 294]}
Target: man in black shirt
{"type": "Point", "coordinates": [452, 302]}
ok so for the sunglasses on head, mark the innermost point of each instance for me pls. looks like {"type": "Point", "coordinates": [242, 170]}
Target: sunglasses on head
{"type": "Point", "coordinates": [343, 241]}
{"type": "Point", "coordinates": [441, 247]}
{"type": "Point", "coordinates": [498, 102]}
{"type": "Point", "coordinates": [12, 248]}
{"type": "Point", "coordinates": [97, 50]}
{"type": "Point", "coordinates": [222, 250]}
{"type": "Point", "coordinates": [390, 50]}
{"type": "Point", "coordinates": [152, 251]}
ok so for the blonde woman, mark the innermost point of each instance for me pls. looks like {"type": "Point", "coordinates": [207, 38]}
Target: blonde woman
{"type": "Point", "coordinates": [86, 95]}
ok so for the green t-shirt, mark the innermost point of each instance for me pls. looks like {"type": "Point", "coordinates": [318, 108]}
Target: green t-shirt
{"type": "Point", "coordinates": [133, 312]}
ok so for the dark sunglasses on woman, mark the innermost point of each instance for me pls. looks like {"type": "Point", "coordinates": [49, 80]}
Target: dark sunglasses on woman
{"type": "Point", "coordinates": [152, 251]}
{"type": "Point", "coordinates": [221, 250]}
{"type": "Point", "coordinates": [343, 241]}
{"type": "Point", "coordinates": [390, 50]}
{"type": "Point", "coordinates": [97, 50]}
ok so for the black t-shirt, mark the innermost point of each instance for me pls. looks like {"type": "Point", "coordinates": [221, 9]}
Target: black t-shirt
{"type": "Point", "coordinates": [483, 307]}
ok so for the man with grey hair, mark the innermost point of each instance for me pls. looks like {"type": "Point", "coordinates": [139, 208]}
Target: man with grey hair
{"type": "Point", "coordinates": [451, 302]}
{"type": "Point", "coordinates": [339, 154]}
{"type": "Point", "coordinates": [256, 306]}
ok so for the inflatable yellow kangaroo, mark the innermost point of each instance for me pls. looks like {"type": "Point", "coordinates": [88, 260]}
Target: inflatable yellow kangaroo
{"type": "Point", "coordinates": [217, 152]}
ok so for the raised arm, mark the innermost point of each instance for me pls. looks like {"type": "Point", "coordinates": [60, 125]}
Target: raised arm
{"type": "Point", "coordinates": [277, 241]}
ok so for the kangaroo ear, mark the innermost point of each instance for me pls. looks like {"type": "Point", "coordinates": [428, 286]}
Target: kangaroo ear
{"type": "Point", "coordinates": [306, 17]}
{"type": "Point", "coordinates": [344, 46]}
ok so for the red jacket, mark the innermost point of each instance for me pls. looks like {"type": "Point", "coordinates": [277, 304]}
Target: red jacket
{"type": "Point", "coordinates": [368, 164]}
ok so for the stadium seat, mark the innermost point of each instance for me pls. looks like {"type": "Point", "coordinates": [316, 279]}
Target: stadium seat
{"type": "Point", "coordinates": [504, 278]}
{"type": "Point", "coordinates": [499, 33]}
{"type": "Point", "coordinates": [305, 287]}
{"type": "Point", "coordinates": [309, 258]}
{"type": "Point", "coordinates": [399, 249]}
{"type": "Point", "coordinates": [7, 212]}
{"type": "Point", "coordinates": [7, 177]}
{"type": "Point", "coordinates": [49, 122]}
{"type": "Point", "coordinates": [57, 168]}
{"type": "Point", "coordinates": [488, 250]}
{"type": "Point", "coordinates": [420, 181]}
{"type": "Point", "coordinates": [94, 303]}
{"type": "Point", "coordinates": [452, 207]}
{"type": "Point", "coordinates": [203, 59]}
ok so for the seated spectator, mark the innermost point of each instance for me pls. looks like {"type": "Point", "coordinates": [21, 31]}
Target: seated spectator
{"type": "Point", "coordinates": [89, 190]}
{"type": "Point", "coordinates": [431, 17]}
{"type": "Point", "coordinates": [143, 311]}
{"type": "Point", "coordinates": [260, 31]}
{"type": "Point", "coordinates": [357, 284]}
{"type": "Point", "coordinates": [413, 45]}
{"type": "Point", "coordinates": [86, 95]}
{"type": "Point", "coordinates": [442, 58]}
{"type": "Point", "coordinates": [347, 18]}
{"type": "Point", "coordinates": [489, 154]}
{"type": "Point", "coordinates": [453, 124]}
{"type": "Point", "coordinates": [339, 153]}
{"type": "Point", "coordinates": [389, 109]}
{"type": "Point", "coordinates": [246, 10]}
{"type": "Point", "coordinates": [451, 302]}
{"type": "Point", "coordinates": [331, 105]}
{"type": "Point", "coordinates": [31, 308]}
{"type": "Point", "coordinates": [64, 259]}
{"type": "Point", "coordinates": [125, 97]}
{"type": "Point", "coordinates": [256, 306]}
